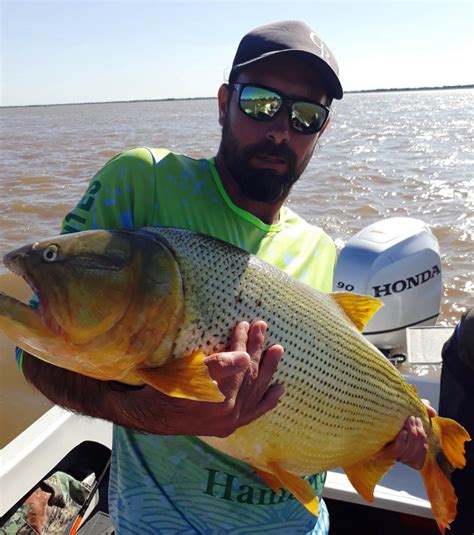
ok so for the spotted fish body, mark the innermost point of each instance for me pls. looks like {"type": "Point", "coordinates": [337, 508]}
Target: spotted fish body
{"type": "Point", "coordinates": [335, 381]}
{"type": "Point", "coordinates": [150, 303]}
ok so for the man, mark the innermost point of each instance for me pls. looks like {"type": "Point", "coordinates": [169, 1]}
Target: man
{"type": "Point", "coordinates": [272, 113]}
{"type": "Point", "coordinates": [456, 399]}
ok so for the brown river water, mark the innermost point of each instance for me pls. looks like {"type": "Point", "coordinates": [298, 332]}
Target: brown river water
{"type": "Point", "coordinates": [384, 155]}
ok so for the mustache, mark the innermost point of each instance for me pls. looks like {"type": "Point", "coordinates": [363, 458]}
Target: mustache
{"type": "Point", "coordinates": [271, 149]}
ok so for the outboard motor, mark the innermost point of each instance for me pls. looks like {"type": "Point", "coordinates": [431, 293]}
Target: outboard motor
{"type": "Point", "coordinates": [397, 260]}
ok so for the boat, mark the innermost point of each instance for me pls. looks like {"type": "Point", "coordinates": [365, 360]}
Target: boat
{"type": "Point", "coordinates": [58, 441]}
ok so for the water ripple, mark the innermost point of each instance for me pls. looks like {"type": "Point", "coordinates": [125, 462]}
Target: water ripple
{"type": "Point", "coordinates": [384, 155]}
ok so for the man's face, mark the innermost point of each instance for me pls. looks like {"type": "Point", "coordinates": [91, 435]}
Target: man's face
{"type": "Point", "coordinates": [265, 158]}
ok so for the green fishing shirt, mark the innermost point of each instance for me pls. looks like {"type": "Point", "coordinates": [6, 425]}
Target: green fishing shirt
{"type": "Point", "coordinates": [162, 484]}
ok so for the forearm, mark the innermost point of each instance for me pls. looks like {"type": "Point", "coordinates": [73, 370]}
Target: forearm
{"type": "Point", "coordinates": [243, 374]}
{"type": "Point", "coordinates": [106, 400]}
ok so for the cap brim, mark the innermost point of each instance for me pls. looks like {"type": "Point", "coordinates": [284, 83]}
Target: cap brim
{"type": "Point", "coordinates": [329, 77]}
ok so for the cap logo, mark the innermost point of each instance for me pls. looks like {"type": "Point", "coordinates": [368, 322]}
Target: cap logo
{"type": "Point", "coordinates": [323, 51]}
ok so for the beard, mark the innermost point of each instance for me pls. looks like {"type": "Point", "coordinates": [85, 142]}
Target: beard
{"type": "Point", "coordinates": [260, 184]}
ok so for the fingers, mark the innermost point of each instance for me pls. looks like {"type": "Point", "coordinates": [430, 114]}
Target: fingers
{"type": "Point", "coordinates": [224, 365]}
{"type": "Point", "coordinates": [256, 339]}
{"type": "Point", "coordinates": [227, 368]}
{"type": "Point", "coordinates": [431, 411]}
{"type": "Point", "coordinates": [256, 396]}
{"type": "Point", "coordinates": [268, 366]}
{"type": "Point", "coordinates": [244, 374]}
{"type": "Point", "coordinates": [239, 337]}
{"type": "Point", "coordinates": [268, 402]}
{"type": "Point", "coordinates": [234, 361]}
{"type": "Point", "coordinates": [411, 443]}
{"type": "Point", "coordinates": [262, 397]}
{"type": "Point", "coordinates": [252, 392]}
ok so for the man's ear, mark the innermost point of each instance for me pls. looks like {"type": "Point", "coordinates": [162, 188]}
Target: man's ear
{"type": "Point", "coordinates": [324, 127]}
{"type": "Point", "coordinates": [223, 102]}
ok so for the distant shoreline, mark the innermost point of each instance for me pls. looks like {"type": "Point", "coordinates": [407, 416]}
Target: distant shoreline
{"type": "Point", "coordinates": [399, 89]}
{"type": "Point", "coordinates": [171, 99]}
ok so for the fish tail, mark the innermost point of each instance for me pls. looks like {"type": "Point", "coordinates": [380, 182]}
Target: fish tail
{"type": "Point", "coordinates": [445, 454]}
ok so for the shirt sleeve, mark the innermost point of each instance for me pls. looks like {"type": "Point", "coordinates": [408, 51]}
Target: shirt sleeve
{"type": "Point", "coordinates": [121, 195]}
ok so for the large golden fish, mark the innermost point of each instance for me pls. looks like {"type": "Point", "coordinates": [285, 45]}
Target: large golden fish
{"type": "Point", "coordinates": [145, 306]}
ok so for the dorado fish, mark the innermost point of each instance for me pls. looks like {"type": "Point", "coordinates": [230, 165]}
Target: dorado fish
{"type": "Point", "coordinates": [146, 306]}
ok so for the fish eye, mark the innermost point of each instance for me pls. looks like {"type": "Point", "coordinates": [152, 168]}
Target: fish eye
{"type": "Point", "coordinates": [50, 253]}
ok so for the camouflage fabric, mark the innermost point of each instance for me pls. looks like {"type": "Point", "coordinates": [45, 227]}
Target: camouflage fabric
{"type": "Point", "coordinates": [49, 508]}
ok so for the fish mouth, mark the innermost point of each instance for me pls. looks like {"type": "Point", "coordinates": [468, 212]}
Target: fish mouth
{"type": "Point", "coordinates": [14, 262]}
{"type": "Point", "coordinates": [11, 261]}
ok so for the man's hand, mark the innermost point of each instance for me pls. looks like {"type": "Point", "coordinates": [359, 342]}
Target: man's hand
{"type": "Point", "coordinates": [243, 373]}
{"type": "Point", "coordinates": [411, 443]}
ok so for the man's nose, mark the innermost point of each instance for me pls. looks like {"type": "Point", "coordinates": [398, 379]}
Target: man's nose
{"type": "Point", "coordinates": [278, 129]}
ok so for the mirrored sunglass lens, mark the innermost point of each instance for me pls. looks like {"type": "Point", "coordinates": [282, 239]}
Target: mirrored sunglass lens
{"type": "Point", "coordinates": [307, 117]}
{"type": "Point", "coordinates": [259, 103]}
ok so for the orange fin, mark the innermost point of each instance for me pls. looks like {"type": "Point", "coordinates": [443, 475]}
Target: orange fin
{"type": "Point", "coordinates": [453, 437]}
{"type": "Point", "coordinates": [445, 453]}
{"type": "Point", "coordinates": [298, 486]}
{"type": "Point", "coordinates": [365, 474]}
{"type": "Point", "coordinates": [273, 482]}
{"type": "Point", "coordinates": [359, 308]}
{"type": "Point", "coordinates": [186, 377]}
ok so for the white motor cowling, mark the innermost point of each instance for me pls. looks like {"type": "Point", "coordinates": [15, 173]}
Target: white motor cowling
{"type": "Point", "coordinates": [397, 260]}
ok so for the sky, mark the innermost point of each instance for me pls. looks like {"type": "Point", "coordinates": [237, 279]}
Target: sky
{"type": "Point", "coordinates": [71, 51]}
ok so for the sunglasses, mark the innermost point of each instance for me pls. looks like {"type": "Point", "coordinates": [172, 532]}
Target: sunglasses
{"type": "Point", "coordinates": [262, 104]}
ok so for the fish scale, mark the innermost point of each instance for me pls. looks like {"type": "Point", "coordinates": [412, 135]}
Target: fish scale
{"type": "Point", "coordinates": [142, 307]}
{"type": "Point", "coordinates": [330, 387]}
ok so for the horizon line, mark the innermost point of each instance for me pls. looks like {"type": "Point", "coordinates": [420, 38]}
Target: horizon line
{"type": "Point", "coordinates": [171, 99]}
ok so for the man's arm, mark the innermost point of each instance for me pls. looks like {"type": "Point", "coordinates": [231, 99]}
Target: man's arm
{"type": "Point", "coordinates": [243, 374]}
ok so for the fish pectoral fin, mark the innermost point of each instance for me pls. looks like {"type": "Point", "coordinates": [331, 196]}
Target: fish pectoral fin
{"type": "Point", "coordinates": [359, 308]}
{"type": "Point", "coordinates": [365, 474]}
{"type": "Point", "coordinates": [273, 482]}
{"type": "Point", "coordinates": [298, 486]}
{"type": "Point", "coordinates": [186, 378]}
{"type": "Point", "coordinates": [442, 457]}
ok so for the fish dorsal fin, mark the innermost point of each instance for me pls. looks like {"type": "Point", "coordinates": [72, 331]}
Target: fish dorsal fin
{"type": "Point", "coordinates": [365, 474]}
{"type": "Point", "coordinates": [359, 308]}
{"type": "Point", "coordinates": [298, 486]}
{"type": "Point", "coordinates": [185, 377]}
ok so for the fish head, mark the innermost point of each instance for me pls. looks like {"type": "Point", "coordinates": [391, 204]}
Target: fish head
{"type": "Point", "coordinates": [110, 302]}
{"type": "Point", "coordinates": [83, 281]}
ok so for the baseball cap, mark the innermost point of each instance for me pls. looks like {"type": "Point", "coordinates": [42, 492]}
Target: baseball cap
{"type": "Point", "coordinates": [290, 37]}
